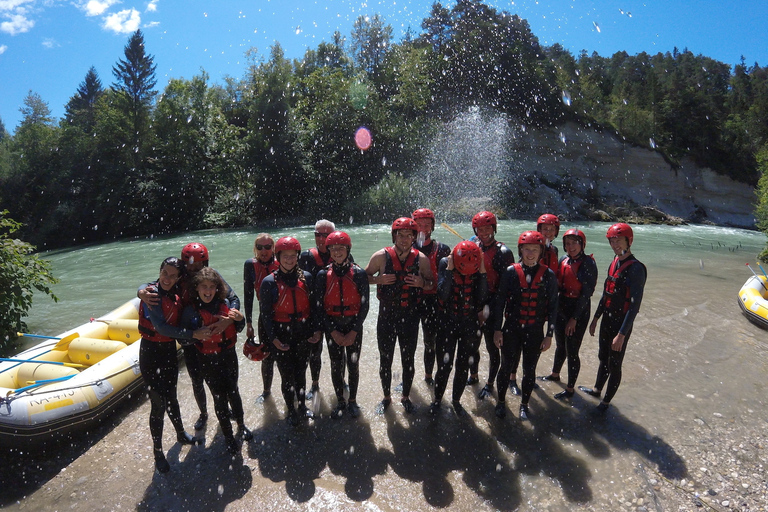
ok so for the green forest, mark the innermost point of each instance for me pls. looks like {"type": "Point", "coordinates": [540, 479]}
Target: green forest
{"type": "Point", "coordinates": [130, 160]}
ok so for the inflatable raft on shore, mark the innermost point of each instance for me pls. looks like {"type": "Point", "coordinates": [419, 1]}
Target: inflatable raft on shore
{"type": "Point", "coordinates": [753, 302]}
{"type": "Point", "coordinates": [65, 384]}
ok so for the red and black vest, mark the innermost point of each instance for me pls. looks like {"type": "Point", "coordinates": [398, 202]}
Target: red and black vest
{"type": "Point", "coordinates": [549, 259]}
{"type": "Point", "coordinates": [491, 272]}
{"type": "Point", "coordinates": [529, 295]}
{"type": "Point", "coordinates": [292, 301]}
{"type": "Point", "coordinates": [260, 271]}
{"type": "Point", "coordinates": [171, 313]}
{"type": "Point", "coordinates": [616, 290]}
{"type": "Point", "coordinates": [218, 342]}
{"type": "Point", "coordinates": [461, 303]}
{"type": "Point", "coordinates": [342, 297]}
{"type": "Point", "coordinates": [318, 258]}
{"type": "Point", "coordinates": [400, 293]}
{"type": "Point", "coordinates": [567, 276]}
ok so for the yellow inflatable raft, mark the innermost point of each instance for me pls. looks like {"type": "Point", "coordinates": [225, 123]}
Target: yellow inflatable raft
{"type": "Point", "coordinates": [753, 299]}
{"type": "Point", "coordinates": [68, 382]}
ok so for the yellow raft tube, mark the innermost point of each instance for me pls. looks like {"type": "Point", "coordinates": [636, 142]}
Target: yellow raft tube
{"type": "Point", "coordinates": [95, 366]}
{"type": "Point", "coordinates": [753, 299]}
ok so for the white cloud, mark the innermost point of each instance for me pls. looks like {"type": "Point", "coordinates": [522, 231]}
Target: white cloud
{"type": "Point", "coordinates": [152, 24]}
{"type": "Point", "coordinates": [97, 7]}
{"type": "Point", "coordinates": [49, 42]}
{"type": "Point", "coordinates": [18, 24]}
{"type": "Point", "coordinates": [12, 5]}
{"type": "Point", "coordinates": [152, 6]}
{"type": "Point", "coordinates": [3, 48]}
{"type": "Point", "coordinates": [123, 22]}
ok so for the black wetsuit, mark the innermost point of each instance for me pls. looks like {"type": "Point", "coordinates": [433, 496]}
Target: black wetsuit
{"type": "Point", "coordinates": [218, 361]}
{"type": "Point", "coordinates": [496, 265]}
{"type": "Point", "coordinates": [573, 304]}
{"type": "Point", "coordinates": [461, 299]}
{"type": "Point", "coordinates": [292, 329]}
{"type": "Point", "coordinates": [158, 360]}
{"type": "Point", "coordinates": [428, 306]}
{"type": "Point", "coordinates": [526, 337]}
{"type": "Point", "coordinates": [251, 288]}
{"type": "Point", "coordinates": [331, 320]}
{"type": "Point", "coordinates": [618, 313]}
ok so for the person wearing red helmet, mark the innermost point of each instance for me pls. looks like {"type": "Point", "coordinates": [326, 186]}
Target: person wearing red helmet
{"type": "Point", "coordinates": [462, 289]}
{"type": "Point", "coordinates": [434, 251]}
{"type": "Point", "coordinates": [195, 257]}
{"type": "Point", "coordinates": [286, 303]}
{"type": "Point", "coordinates": [497, 258]}
{"type": "Point", "coordinates": [342, 297]}
{"type": "Point", "coordinates": [576, 277]}
{"type": "Point", "coordinates": [549, 227]}
{"type": "Point", "coordinates": [313, 260]}
{"type": "Point", "coordinates": [216, 353]}
{"type": "Point", "coordinates": [400, 273]}
{"type": "Point", "coordinates": [618, 307]}
{"type": "Point", "coordinates": [527, 299]}
{"type": "Point", "coordinates": [254, 271]}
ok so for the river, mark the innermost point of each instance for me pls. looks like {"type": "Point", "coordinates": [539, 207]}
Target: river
{"type": "Point", "coordinates": [694, 378]}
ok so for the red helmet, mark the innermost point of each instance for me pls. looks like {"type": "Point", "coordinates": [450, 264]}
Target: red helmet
{"type": "Point", "coordinates": [424, 213]}
{"type": "Point", "coordinates": [578, 234]}
{"type": "Point", "coordinates": [287, 243]}
{"type": "Point", "coordinates": [466, 257]}
{"type": "Point", "coordinates": [620, 229]}
{"type": "Point", "coordinates": [548, 218]}
{"type": "Point", "coordinates": [404, 223]}
{"type": "Point", "coordinates": [530, 237]}
{"type": "Point", "coordinates": [194, 252]}
{"type": "Point", "coordinates": [484, 219]}
{"type": "Point", "coordinates": [339, 238]}
{"type": "Point", "coordinates": [254, 351]}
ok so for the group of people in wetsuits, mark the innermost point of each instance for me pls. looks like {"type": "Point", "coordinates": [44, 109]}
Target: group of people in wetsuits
{"type": "Point", "coordinates": [459, 296]}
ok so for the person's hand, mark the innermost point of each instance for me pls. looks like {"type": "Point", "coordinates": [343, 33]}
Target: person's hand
{"type": "Point", "coordinates": [386, 279]}
{"type": "Point", "coordinates": [249, 331]}
{"type": "Point", "coordinates": [349, 338]}
{"type": "Point", "coordinates": [618, 343]}
{"type": "Point", "coordinates": [570, 327]}
{"type": "Point", "coordinates": [338, 338]}
{"type": "Point", "coordinates": [221, 325]}
{"type": "Point", "coordinates": [498, 339]}
{"type": "Point", "coordinates": [415, 281]}
{"type": "Point", "coordinates": [202, 333]}
{"type": "Point", "coordinates": [592, 327]}
{"type": "Point", "coordinates": [235, 315]}
{"type": "Point", "coordinates": [280, 345]}
{"type": "Point", "coordinates": [450, 266]}
{"type": "Point", "coordinates": [149, 296]}
{"type": "Point", "coordinates": [546, 343]}
{"type": "Point", "coordinates": [316, 336]}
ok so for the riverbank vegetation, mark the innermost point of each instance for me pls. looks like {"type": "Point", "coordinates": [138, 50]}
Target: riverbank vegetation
{"type": "Point", "coordinates": [128, 159]}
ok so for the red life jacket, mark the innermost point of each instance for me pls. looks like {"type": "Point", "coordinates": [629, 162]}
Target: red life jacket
{"type": "Point", "coordinates": [342, 297]}
{"type": "Point", "coordinates": [399, 292]}
{"type": "Point", "coordinates": [432, 258]}
{"type": "Point", "coordinates": [292, 301]}
{"type": "Point", "coordinates": [461, 302]}
{"type": "Point", "coordinates": [567, 279]}
{"type": "Point", "coordinates": [616, 286]}
{"type": "Point", "coordinates": [549, 258]}
{"type": "Point", "coordinates": [318, 258]}
{"type": "Point", "coordinates": [218, 342]}
{"type": "Point", "coordinates": [529, 301]}
{"type": "Point", "coordinates": [260, 270]}
{"type": "Point", "coordinates": [491, 273]}
{"type": "Point", "coordinates": [171, 313]}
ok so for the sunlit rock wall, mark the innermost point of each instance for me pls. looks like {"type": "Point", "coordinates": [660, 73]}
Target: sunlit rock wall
{"type": "Point", "coordinates": [573, 164]}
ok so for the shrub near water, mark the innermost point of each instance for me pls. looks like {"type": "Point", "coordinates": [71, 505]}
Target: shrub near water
{"type": "Point", "coordinates": [20, 275]}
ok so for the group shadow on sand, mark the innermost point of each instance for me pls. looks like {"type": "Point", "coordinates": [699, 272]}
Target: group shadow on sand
{"type": "Point", "coordinates": [424, 448]}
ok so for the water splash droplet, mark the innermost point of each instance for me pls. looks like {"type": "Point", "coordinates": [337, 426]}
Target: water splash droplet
{"type": "Point", "coordinates": [566, 98]}
{"type": "Point", "coordinates": [597, 27]}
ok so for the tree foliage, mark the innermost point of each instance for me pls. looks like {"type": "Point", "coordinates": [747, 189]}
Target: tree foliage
{"type": "Point", "coordinates": [20, 275]}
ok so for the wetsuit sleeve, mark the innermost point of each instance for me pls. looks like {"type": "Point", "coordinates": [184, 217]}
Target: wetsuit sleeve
{"type": "Point", "coordinates": [318, 309]}
{"type": "Point", "coordinates": [600, 309]}
{"type": "Point", "coordinates": [249, 277]}
{"type": "Point", "coordinates": [507, 258]}
{"type": "Point", "coordinates": [190, 319]}
{"type": "Point", "coordinates": [364, 289]}
{"type": "Point", "coordinates": [239, 324]}
{"type": "Point", "coordinates": [636, 276]}
{"type": "Point", "coordinates": [500, 301]}
{"type": "Point", "coordinates": [314, 320]}
{"type": "Point", "coordinates": [444, 280]}
{"type": "Point", "coordinates": [443, 251]}
{"type": "Point", "coordinates": [163, 328]}
{"type": "Point", "coordinates": [481, 291]}
{"type": "Point", "coordinates": [552, 295]}
{"type": "Point", "coordinates": [587, 275]}
{"type": "Point", "coordinates": [268, 294]}
{"type": "Point", "coordinates": [306, 261]}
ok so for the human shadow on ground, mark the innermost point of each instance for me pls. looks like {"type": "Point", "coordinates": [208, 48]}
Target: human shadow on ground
{"type": "Point", "coordinates": [24, 471]}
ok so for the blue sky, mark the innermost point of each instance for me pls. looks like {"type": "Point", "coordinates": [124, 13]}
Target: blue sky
{"type": "Point", "coordinates": [48, 45]}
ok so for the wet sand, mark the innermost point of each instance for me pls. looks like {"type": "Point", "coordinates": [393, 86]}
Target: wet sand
{"type": "Point", "coordinates": [686, 431]}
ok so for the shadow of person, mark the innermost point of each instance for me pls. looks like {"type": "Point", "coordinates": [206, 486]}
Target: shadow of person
{"type": "Point", "coordinates": [207, 479]}
{"type": "Point", "coordinates": [352, 454]}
